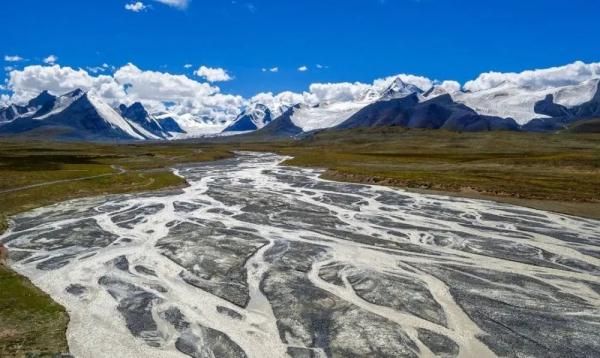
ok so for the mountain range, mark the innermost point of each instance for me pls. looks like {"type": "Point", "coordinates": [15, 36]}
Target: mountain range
{"type": "Point", "coordinates": [82, 116]}
{"type": "Point", "coordinates": [78, 115]}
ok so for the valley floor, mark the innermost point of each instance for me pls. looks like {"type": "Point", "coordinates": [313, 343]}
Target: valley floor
{"type": "Point", "coordinates": [35, 174]}
{"type": "Point", "coordinates": [554, 172]}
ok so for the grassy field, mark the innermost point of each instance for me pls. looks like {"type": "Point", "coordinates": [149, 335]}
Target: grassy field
{"type": "Point", "coordinates": [558, 172]}
{"type": "Point", "coordinates": [37, 174]}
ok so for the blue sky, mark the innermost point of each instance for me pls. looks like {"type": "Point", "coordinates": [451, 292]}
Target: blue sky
{"type": "Point", "coordinates": [352, 40]}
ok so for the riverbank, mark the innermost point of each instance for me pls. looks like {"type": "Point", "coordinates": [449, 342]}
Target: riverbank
{"type": "Point", "coordinates": [274, 251]}
{"type": "Point", "coordinates": [590, 210]}
{"type": "Point", "coordinates": [36, 174]}
{"type": "Point", "coordinates": [552, 172]}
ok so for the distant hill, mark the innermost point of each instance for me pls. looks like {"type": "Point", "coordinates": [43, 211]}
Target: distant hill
{"type": "Point", "coordinates": [585, 126]}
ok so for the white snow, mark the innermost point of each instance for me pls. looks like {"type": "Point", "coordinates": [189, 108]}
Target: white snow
{"type": "Point", "coordinates": [509, 100]}
{"type": "Point", "coordinates": [60, 105]}
{"type": "Point", "coordinates": [399, 89]}
{"type": "Point", "coordinates": [325, 116]}
{"type": "Point", "coordinates": [193, 127]}
{"type": "Point", "coordinates": [112, 117]}
{"type": "Point", "coordinates": [143, 131]}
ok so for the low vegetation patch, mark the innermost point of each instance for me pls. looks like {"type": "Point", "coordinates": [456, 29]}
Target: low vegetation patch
{"type": "Point", "coordinates": [559, 172]}
{"type": "Point", "coordinates": [40, 173]}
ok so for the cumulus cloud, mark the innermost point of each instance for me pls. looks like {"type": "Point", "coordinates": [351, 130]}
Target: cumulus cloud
{"type": "Point", "coordinates": [213, 74]}
{"type": "Point", "coordinates": [192, 98]}
{"type": "Point", "coordinates": [423, 83]}
{"type": "Point", "coordinates": [136, 6]}
{"type": "Point", "coordinates": [279, 102]}
{"type": "Point", "coordinates": [160, 86]}
{"type": "Point", "coordinates": [15, 58]}
{"type": "Point", "coordinates": [338, 92]}
{"type": "Point", "coordinates": [272, 69]}
{"type": "Point", "coordinates": [180, 4]}
{"type": "Point", "coordinates": [343, 91]}
{"type": "Point", "coordinates": [30, 81]}
{"type": "Point", "coordinates": [302, 68]}
{"type": "Point", "coordinates": [51, 60]}
{"type": "Point", "coordinates": [188, 65]}
{"type": "Point", "coordinates": [158, 91]}
{"type": "Point", "coordinates": [450, 86]}
{"type": "Point", "coordinates": [4, 100]}
{"type": "Point", "coordinates": [570, 74]}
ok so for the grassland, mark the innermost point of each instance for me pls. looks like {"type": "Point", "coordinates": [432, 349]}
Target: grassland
{"type": "Point", "coordinates": [558, 172]}
{"type": "Point", "coordinates": [35, 174]}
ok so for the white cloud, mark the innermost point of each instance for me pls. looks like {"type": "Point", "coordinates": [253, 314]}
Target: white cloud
{"type": "Point", "coordinates": [278, 103]}
{"type": "Point", "coordinates": [213, 74]}
{"type": "Point", "coordinates": [423, 83]}
{"type": "Point", "coordinates": [4, 100]}
{"type": "Point", "coordinates": [14, 58]}
{"type": "Point", "coordinates": [338, 92]}
{"type": "Point", "coordinates": [30, 81]}
{"type": "Point", "coordinates": [180, 4]}
{"type": "Point", "coordinates": [272, 69]}
{"type": "Point", "coordinates": [50, 60]}
{"type": "Point", "coordinates": [136, 6]}
{"type": "Point", "coordinates": [9, 68]}
{"type": "Point", "coordinates": [188, 65]}
{"type": "Point", "coordinates": [183, 95]}
{"type": "Point", "coordinates": [570, 74]}
{"type": "Point", "coordinates": [302, 68]}
{"type": "Point", "coordinates": [450, 86]}
{"type": "Point", "coordinates": [129, 84]}
{"type": "Point", "coordinates": [160, 86]}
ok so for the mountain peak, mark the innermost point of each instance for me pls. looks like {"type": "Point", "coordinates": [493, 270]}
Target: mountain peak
{"type": "Point", "coordinates": [76, 93]}
{"type": "Point", "coordinates": [398, 89]}
{"type": "Point", "coordinates": [41, 99]}
{"type": "Point", "coordinates": [254, 117]}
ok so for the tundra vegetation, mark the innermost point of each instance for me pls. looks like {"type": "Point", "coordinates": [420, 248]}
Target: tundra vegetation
{"type": "Point", "coordinates": [557, 172]}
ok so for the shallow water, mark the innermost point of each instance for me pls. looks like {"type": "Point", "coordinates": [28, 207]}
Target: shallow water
{"type": "Point", "coordinates": [259, 260]}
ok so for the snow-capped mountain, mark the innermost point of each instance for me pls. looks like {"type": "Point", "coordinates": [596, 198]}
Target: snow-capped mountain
{"type": "Point", "coordinates": [504, 107]}
{"type": "Point", "coordinates": [399, 89]}
{"type": "Point", "coordinates": [11, 112]}
{"type": "Point", "coordinates": [256, 116]}
{"type": "Point", "coordinates": [36, 107]}
{"type": "Point", "coordinates": [332, 113]}
{"type": "Point", "coordinates": [513, 102]}
{"type": "Point", "coordinates": [440, 112]}
{"type": "Point", "coordinates": [508, 100]}
{"type": "Point", "coordinates": [143, 121]}
{"type": "Point", "coordinates": [81, 115]}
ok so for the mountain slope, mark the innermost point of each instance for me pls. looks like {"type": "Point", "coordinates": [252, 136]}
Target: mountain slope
{"type": "Point", "coordinates": [511, 101]}
{"type": "Point", "coordinates": [281, 127]}
{"type": "Point", "coordinates": [143, 121]}
{"type": "Point", "coordinates": [561, 117]}
{"type": "Point", "coordinates": [399, 89]}
{"type": "Point", "coordinates": [440, 112]}
{"type": "Point", "coordinates": [255, 117]}
{"type": "Point", "coordinates": [80, 116]}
